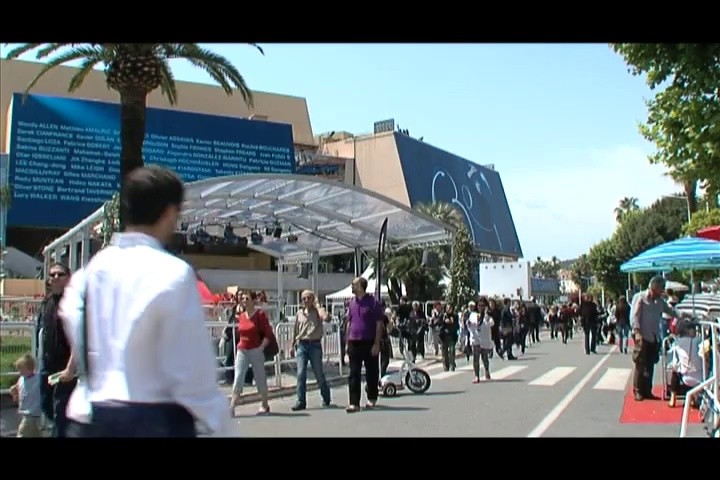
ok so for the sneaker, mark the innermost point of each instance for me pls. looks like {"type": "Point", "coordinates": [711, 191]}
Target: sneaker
{"type": "Point", "coordinates": [298, 407]}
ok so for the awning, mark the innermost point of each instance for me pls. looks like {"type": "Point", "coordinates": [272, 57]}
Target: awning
{"type": "Point", "coordinates": [711, 233]}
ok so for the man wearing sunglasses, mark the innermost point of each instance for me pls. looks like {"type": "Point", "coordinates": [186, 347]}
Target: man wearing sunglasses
{"type": "Point", "coordinates": [55, 350]}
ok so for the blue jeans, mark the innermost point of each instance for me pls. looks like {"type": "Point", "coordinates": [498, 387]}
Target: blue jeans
{"type": "Point", "coordinates": [310, 351]}
{"type": "Point", "coordinates": [54, 403]}
{"type": "Point", "coordinates": [623, 333]}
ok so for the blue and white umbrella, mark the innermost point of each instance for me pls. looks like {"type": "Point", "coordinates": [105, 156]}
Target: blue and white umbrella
{"type": "Point", "coordinates": [689, 253]}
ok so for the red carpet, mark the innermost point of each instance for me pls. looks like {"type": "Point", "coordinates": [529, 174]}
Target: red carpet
{"type": "Point", "coordinates": [653, 411]}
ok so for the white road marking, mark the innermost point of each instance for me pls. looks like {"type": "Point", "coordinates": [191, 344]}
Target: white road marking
{"type": "Point", "coordinates": [555, 413]}
{"type": "Point", "coordinates": [614, 379]}
{"type": "Point", "coordinates": [553, 376]}
{"type": "Point", "coordinates": [443, 375]}
{"type": "Point", "coordinates": [507, 371]}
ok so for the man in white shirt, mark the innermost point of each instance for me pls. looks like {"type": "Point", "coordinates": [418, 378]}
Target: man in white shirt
{"type": "Point", "coordinates": [141, 347]}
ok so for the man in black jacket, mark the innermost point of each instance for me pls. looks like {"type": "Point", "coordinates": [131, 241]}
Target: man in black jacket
{"type": "Point", "coordinates": [55, 350]}
{"type": "Point", "coordinates": [506, 330]}
{"type": "Point", "coordinates": [589, 316]}
{"type": "Point", "coordinates": [536, 320]}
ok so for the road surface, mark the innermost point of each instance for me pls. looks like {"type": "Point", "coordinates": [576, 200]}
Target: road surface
{"type": "Point", "coordinates": [554, 390]}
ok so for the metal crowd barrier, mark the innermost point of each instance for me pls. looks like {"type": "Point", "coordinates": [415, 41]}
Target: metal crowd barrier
{"type": "Point", "coordinates": [711, 385]}
{"type": "Point", "coordinates": [16, 339]}
{"type": "Point", "coordinates": [19, 309]}
{"type": "Point", "coordinates": [331, 345]}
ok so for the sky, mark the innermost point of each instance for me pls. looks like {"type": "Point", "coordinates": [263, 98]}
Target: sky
{"type": "Point", "coordinates": [559, 121]}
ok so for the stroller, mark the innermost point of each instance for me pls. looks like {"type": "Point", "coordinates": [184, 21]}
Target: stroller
{"type": "Point", "coordinates": [682, 362]}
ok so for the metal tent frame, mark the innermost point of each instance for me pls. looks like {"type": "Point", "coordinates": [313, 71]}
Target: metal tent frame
{"type": "Point", "coordinates": [323, 217]}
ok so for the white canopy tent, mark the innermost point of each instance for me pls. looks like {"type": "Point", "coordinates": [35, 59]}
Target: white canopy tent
{"type": "Point", "coordinates": [322, 217]}
{"type": "Point", "coordinates": [347, 293]}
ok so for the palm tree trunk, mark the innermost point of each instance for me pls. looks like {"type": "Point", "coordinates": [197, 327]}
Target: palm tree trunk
{"type": "Point", "coordinates": [132, 133]}
{"type": "Point", "coordinates": [690, 188]}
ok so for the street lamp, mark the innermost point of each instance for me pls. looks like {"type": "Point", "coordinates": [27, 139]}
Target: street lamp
{"type": "Point", "coordinates": [687, 201]}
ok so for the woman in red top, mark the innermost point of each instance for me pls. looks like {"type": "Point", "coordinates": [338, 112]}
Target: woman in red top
{"type": "Point", "coordinates": [253, 333]}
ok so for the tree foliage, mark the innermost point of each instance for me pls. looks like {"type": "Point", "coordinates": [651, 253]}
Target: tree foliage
{"type": "Point", "coordinates": [546, 268]}
{"type": "Point", "coordinates": [627, 204]}
{"type": "Point", "coordinates": [461, 271]}
{"type": "Point", "coordinates": [639, 231]}
{"type": "Point", "coordinates": [581, 271]}
{"type": "Point", "coordinates": [661, 222]}
{"type": "Point", "coordinates": [405, 267]}
{"type": "Point", "coordinates": [701, 219]}
{"type": "Point", "coordinates": [605, 265]}
{"type": "Point", "coordinates": [684, 116]}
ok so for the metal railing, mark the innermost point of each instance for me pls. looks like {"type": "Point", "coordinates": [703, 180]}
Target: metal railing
{"type": "Point", "coordinates": [282, 363]}
{"type": "Point", "coordinates": [19, 309]}
{"type": "Point", "coordinates": [16, 339]}
{"type": "Point", "coordinates": [331, 346]}
{"type": "Point", "coordinates": [710, 386]}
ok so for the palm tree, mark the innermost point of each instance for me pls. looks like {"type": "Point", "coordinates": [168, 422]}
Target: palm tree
{"type": "Point", "coordinates": [689, 183]}
{"type": "Point", "coordinates": [626, 205]}
{"type": "Point", "coordinates": [405, 267]}
{"type": "Point", "coordinates": [134, 70]}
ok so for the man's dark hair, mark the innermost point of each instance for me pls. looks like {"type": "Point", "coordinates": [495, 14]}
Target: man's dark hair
{"type": "Point", "coordinates": [362, 281]}
{"type": "Point", "coordinates": [147, 193]}
{"type": "Point", "coordinates": [60, 266]}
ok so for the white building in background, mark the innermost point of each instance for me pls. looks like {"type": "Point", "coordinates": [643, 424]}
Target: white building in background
{"type": "Point", "coordinates": [514, 280]}
{"type": "Point", "coordinates": [567, 285]}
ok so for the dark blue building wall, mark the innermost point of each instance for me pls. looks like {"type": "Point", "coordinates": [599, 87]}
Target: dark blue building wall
{"type": "Point", "coordinates": [65, 153]}
{"type": "Point", "coordinates": [434, 175]}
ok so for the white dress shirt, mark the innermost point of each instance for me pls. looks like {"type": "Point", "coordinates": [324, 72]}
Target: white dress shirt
{"type": "Point", "coordinates": [146, 333]}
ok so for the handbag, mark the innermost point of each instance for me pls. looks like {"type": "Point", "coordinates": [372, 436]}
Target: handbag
{"type": "Point", "coordinates": [272, 347]}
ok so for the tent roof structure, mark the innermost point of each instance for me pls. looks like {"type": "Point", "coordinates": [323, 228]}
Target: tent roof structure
{"type": "Point", "coordinates": [326, 216]}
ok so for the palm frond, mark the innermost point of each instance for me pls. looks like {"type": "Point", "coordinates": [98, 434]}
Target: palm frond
{"type": "Point", "coordinates": [167, 86]}
{"type": "Point", "coordinates": [49, 49]}
{"type": "Point", "coordinates": [86, 53]}
{"type": "Point", "coordinates": [22, 50]}
{"type": "Point", "coordinates": [217, 66]}
{"type": "Point", "coordinates": [258, 47]}
{"type": "Point", "coordinates": [86, 67]}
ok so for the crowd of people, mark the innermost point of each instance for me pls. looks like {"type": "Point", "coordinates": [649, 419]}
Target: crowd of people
{"type": "Point", "coordinates": [113, 365]}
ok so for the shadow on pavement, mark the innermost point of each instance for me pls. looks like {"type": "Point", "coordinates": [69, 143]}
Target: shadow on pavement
{"type": "Point", "coordinates": [433, 393]}
{"type": "Point", "coordinates": [396, 409]}
{"type": "Point", "coordinates": [275, 414]}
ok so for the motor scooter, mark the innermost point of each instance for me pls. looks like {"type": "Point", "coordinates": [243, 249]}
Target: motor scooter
{"type": "Point", "coordinates": [408, 375]}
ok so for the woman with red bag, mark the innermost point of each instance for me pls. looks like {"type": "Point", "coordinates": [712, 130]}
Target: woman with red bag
{"type": "Point", "coordinates": [254, 335]}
